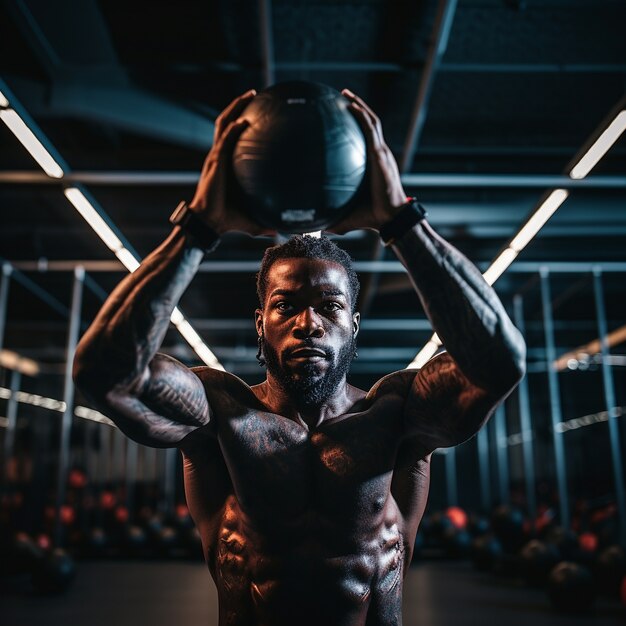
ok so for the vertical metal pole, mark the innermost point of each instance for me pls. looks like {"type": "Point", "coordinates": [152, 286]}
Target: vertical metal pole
{"type": "Point", "coordinates": [438, 43]}
{"type": "Point", "coordinates": [9, 437]}
{"type": "Point", "coordinates": [4, 298]}
{"type": "Point", "coordinates": [609, 399]}
{"type": "Point", "coordinates": [525, 420]}
{"type": "Point", "coordinates": [171, 455]}
{"type": "Point", "coordinates": [482, 447]}
{"type": "Point", "coordinates": [131, 476]}
{"type": "Point", "coordinates": [267, 41]}
{"type": "Point", "coordinates": [451, 479]}
{"type": "Point", "coordinates": [502, 451]}
{"type": "Point", "coordinates": [555, 398]}
{"type": "Point", "coordinates": [68, 398]}
{"type": "Point", "coordinates": [149, 459]}
{"type": "Point", "coordinates": [119, 454]}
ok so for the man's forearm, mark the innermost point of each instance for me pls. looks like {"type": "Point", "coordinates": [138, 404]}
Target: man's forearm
{"type": "Point", "coordinates": [131, 325]}
{"type": "Point", "coordinates": [465, 311]}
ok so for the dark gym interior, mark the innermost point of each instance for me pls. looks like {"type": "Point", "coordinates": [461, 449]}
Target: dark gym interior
{"type": "Point", "coordinates": [487, 106]}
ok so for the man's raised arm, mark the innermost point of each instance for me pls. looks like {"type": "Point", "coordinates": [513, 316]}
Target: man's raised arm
{"type": "Point", "coordinates": [153, 398]}
{"type": "Point", "coordinates": [453, 394]}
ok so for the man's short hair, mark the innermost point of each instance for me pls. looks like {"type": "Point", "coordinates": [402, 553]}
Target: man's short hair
{"type": "Point", "coordinates": [307, 247]}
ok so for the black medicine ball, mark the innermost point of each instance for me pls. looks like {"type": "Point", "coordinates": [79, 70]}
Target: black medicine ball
{"type": "Point", "coordinates": [302, 158]}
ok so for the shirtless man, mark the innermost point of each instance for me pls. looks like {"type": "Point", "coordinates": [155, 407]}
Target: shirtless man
{"type": "Point", "coordinates": [307, 491]}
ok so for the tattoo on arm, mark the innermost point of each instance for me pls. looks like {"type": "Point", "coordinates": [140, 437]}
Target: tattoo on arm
{"type": "Point", "coordinates": [444, 408]}
{"type": "Point", "coordinates": [454, 394]}
{"type": "Point", "coordinates": [169, 404]}
{"type": "Point", "coordinates": [152, 398]}
{"type": "Point", "coordinates": [465, 311]}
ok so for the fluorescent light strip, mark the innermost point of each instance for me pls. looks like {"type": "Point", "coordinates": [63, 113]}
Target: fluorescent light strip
{"type": "Point", "coordinates": [93, 416]}
{"type": "Point", "coordinates": [93, 218]}
{"type": "Point", "coordinates": [588, 420]}
{"type": "Point", "coordinates": [26, 137]}
{"type": "Point", "coordinates": [600, 147]}
{"type": "Point", "coordinates": [128, 259]}
{"type": "Point", "coordinates": [504, 259]}
{"type": "Point", "coordinates": [498, 267]}
{"type": "Point", "coordinates": [55, 405]}
{"type": "Point", "coordinates": [103, 230]}
{"type": "Point", "coordinates": [131, 263]}
{"type": "Point", "coordinates": [593, 347]}
{"type": "Point", "coordinates": [424, 354]}
{"type": "Point", "coordinates": [34, 400]}
{"type": "Point", "coordinates": [538, 219]}
{"type": "Point", "coordinates": [314, 233]}
{"type": "Point", "coordinates": [194, 340]}
{"type": "Point", "coordinates": [177, 317]}
{"type": "Point", "coordinates": [14, 361]}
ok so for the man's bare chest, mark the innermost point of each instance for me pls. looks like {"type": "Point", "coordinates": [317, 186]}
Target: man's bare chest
{"type": "Point", "coordinates": [341, 468]}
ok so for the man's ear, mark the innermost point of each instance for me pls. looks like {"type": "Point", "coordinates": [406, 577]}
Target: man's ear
{"type": "Point", "coordinates": [356, 319]}
{"type": "Point", "coordinates": [258, 322]}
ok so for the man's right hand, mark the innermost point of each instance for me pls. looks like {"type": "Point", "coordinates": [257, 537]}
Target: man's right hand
{"type": "Point", "coordinates": [212, 201]}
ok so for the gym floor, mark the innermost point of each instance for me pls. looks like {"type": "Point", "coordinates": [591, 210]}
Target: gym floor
{"type": "Point", "coordinates": [164, 593]}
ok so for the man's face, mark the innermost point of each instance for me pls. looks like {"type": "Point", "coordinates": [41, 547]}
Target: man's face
{"type": "Point", "coordinates": [308, 327]}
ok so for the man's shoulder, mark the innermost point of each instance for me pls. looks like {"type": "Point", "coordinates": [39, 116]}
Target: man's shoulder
{"type": "Point", "coordinates": [396, 383]}
{"type": "Point", "coordinates": [221, 383]}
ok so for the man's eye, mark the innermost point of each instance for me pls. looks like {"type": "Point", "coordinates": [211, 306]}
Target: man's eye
{"type": "Point", "coordinates": [331, 306]}
{"type": "Point", "coordinates": [282, 306]}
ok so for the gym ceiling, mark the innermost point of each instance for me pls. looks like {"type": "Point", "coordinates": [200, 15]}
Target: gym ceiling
{"type": "Point", "coordinates": [485, 104]}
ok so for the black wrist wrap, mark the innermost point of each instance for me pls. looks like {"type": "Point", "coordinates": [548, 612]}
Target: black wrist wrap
{"type": "Point", "coordinates": [411, 213]}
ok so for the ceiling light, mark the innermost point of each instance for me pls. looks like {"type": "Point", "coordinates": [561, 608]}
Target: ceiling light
{"type": "Point", "coordinates": [425, 354]}
{"type": "Point", "coordinates": [176, 317]}
{"type": "Point", "coordinates": [600, 147]}
{"type": "Point", "coordinates": [93, 218]}
{"type": "Point", "coordinates": [92, 415]}
{"type": "Point", "coordinates": [593, 347]}
{"type": "Point", "coordinates": [3, 100]}
{"type": "Point", "coordinates": [199, 347]}
{"type": "Point", "coordinates": [208, 357]}
{"type": "Point", "coordinates": [538, 219]}
{"type": "Point", "coordinates": [127, 258]}
{"type": "Point", "coordinates": [496, 269]}
{"type": "Point", "coordinates": [13, 361]}
{"type": "Point", "coordinates": [190, 335]}
{"type": "Point", "coordinates": [315, 233]}
{"type": "Point", "coordinates": [30, 142]}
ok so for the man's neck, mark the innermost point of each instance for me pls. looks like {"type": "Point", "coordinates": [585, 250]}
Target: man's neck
{"type": "Point", "coordinates": [279, 401]}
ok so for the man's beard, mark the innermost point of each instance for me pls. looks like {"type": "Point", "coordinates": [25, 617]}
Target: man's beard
{"type": "Point", "coordinates": [310, 388]}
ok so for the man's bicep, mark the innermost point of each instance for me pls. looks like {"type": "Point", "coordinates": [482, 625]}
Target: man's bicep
{"type": "Point", "coordinates": [444, 407]}
{"type": "Point", "coordinates": [164, 407]}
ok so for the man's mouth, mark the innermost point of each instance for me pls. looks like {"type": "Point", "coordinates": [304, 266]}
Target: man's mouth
{"type": "Point", "coordinates": [307, 354]}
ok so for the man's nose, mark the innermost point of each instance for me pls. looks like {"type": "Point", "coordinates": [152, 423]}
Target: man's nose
{"type": "Point", "coordinates": [308, 324]}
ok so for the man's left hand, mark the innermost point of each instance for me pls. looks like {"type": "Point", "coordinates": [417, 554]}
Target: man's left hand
{"type": "Point", "coordinates": [386, 194]}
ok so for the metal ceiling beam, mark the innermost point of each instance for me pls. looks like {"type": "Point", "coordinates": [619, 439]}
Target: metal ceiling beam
{"type": "Point", "coordinates": [438, 45]}
{"type": "Point", "coordinates": [118, 106]}
{"type": "Point", "coordinates": [534, 68]}
{"type": "Point", "coordinates": [387, 267]}
{"type": "Point", "coordinates": [87, 82]}
{"type": "Point", "coordinates": [165, 179]}
{"type": "Point", "coordinates": [396, 68]}
{"type": "Point", "coordinates": [267, 41]}
{"type": "Point", "coordinates": [67, 36]}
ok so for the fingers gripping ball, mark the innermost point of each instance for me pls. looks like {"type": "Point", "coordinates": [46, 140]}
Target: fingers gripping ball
{"type": "Point", "coordinates": [302, 158]}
